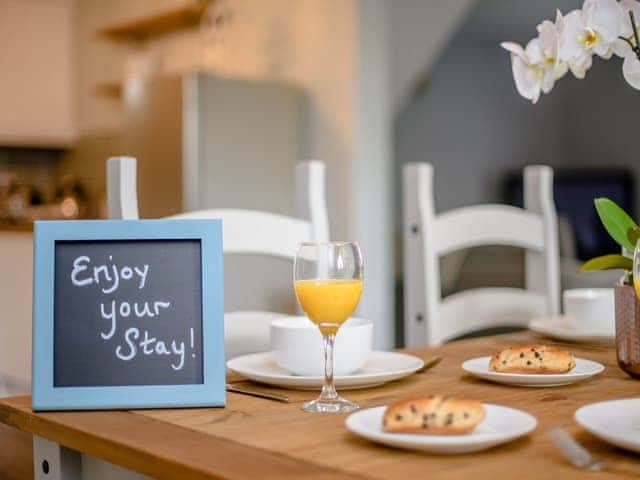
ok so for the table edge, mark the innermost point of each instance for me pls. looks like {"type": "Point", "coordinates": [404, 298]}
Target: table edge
{"type": "Point", "coordinates": [136, 457]}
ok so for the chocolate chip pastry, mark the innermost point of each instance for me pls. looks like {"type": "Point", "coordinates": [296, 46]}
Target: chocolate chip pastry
{"type": "Point", "coordinates": [433, 415]}
{"type": "Point", "coordinates": [532, 359]}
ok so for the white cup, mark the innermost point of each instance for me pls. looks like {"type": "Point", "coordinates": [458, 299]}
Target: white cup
{"type": "Point", "coordinates": [297, 345]}
{"type": "Point", "coordinates": [590, 309]}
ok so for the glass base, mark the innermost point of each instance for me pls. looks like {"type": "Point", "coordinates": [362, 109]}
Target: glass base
{"type": "Point", "coordinates": [330, 405]}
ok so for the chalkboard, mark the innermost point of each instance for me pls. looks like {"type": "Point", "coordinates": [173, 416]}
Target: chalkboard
{"type": "Point", "coordinates": [128, 314]}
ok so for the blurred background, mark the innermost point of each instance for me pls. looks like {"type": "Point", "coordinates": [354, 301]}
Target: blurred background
{"type": "Point", "coordinates": [219, 99]}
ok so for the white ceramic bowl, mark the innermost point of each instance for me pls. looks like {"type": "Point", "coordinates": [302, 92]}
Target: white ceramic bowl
{"type": "Point", "coordinates": [297, 345]}
{"type": "Point", "coordinates": [590, 309]}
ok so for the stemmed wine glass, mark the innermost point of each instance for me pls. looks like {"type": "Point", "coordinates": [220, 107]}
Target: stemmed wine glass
{"type": "Point", "coordinates": [327, 278]}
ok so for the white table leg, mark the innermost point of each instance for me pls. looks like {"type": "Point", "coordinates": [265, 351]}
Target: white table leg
{"type": "Point", "coordinates": [51, 461]}
{"type": "Point", "coordinates": [95, 469]}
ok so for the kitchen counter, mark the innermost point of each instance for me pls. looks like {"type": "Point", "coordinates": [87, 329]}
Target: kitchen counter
{"type": "Point", "coordinates": [8, 227]}
{"type": "Point", "coordinates": [16, 264]}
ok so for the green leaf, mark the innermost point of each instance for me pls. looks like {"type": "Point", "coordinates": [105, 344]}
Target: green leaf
{"type": "Point", "coordinates": [633, 235]}
{"type": "Point", "coordinates": [615, 221]}
{"type": "Point", "coordinates": [608, 262]}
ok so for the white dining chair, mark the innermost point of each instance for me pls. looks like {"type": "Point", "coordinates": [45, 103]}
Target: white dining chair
{"type": "Point", "coordinates": [431, 319]}
{"type": "Point", "coordinates": [243, 232]}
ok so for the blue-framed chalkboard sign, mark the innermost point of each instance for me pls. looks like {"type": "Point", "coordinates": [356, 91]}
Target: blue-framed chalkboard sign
{"type": "Point", "coordinates": [127, 314]}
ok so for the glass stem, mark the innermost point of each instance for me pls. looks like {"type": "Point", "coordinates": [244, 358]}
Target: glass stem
{"type": "Point", "coordinates": [328, 390]}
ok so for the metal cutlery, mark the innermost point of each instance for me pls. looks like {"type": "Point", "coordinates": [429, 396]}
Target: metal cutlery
{"type": "Point", "coordinates": [582, 458]}
{"type": "Point", "coordinates": [255, 393]}
{"type": "Point", "coordinates": [429, 363]}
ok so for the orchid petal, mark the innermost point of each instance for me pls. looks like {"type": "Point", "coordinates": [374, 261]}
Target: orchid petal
{"type": "Point", "coordinates": [621, 48]}
{"type": "Point", "coordinates": [548, 39]}
{"type": "Point", "coordinates": [548, 81]}
{"type": "Point", "coordinates": [515, 49]}
{"type": "Point", "coordinates": [526, 79]}
{"type": "Point", "coordinates": [559, 20]}
{"type": "Point", "coordinates": [604, 17]}
{"type": "Point", "coordinates": [534, 52]}
{"type": "Point", "coordinates": [572, 27]}
{"type": "Point", "coordinates": [631, 71]}
{"type": "Point", "coordinates": [580, 65]}
{"type": "Point", "coordinates": [602, 48]}
{"type": "Point", "coordinates": [560, 70]}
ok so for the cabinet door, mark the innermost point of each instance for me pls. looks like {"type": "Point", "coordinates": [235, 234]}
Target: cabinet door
{"type": "Point", "coordinates": [36, 46]}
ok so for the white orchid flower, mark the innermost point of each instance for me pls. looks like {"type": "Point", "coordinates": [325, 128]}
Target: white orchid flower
{"type": "Point", "coordinates": [537, 67]}
{"type": "Point", "coordinates": [589, 31]}
{"type": "Point", "coordinates": [527, 74]}
{"type": "Point", "coordinates": [602, 27]}
{"type": "Point", "coordinates": [549, 43]}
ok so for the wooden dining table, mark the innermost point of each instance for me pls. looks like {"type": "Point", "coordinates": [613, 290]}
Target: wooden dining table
{"type": "Point", "coordinates": [259, 438]}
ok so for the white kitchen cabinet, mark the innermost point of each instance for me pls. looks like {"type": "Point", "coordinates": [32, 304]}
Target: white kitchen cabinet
{"type": "Point", "coordinates": [36, 73]}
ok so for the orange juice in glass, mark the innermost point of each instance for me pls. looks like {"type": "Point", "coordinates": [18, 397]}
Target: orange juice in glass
{"type": "Point", "coordinates": [327, 279]}
{"type": "Point", "coordinates": [328, 303]}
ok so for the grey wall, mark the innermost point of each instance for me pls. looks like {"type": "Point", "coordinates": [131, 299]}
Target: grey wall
{"type": "Point", "coordinates": [472, 126]}
{"type": "Point", "coordinates": [603, 114]}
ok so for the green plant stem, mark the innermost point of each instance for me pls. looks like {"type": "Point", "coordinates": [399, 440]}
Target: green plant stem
{"type": "Point", "coordinates": [635, 48]}
{"type": "Point", "coordinates": [635, 33]}
{"type": "Point", "coordinates": [629, 42]}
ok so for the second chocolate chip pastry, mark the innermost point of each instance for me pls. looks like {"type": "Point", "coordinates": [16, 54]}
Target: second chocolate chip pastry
{"type": "Point", "coordinates": [539, 359]}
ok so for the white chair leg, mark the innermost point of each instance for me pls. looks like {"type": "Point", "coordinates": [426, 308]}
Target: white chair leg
{"type": "Point", "coordinates": [122, 193]}
{"type": "Point", "coordinates": [52, 461]}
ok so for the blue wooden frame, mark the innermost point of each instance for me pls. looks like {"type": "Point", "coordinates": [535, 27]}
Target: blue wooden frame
{"type": "Point", "coordinates": [211, 393]}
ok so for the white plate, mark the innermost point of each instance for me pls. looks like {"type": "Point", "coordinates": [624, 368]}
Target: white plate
{"type": "Point", "coordinates": [615, 421]}
{"type": "Point", "coordinates": [560, 327]}
{"type": "Point", "coordinates": [382, 367]}
{"type": "Point", "coordinates": [584, 369]}
{"type": "Point", "coordinates": [500, 425]}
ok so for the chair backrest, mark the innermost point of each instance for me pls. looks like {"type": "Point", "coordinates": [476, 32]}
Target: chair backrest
{"type": "Point", "coordinates": [431, 319]}
{"type": "Point", "coordinates": [245, 231]}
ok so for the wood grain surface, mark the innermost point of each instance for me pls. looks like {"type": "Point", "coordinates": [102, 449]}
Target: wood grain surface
{"type": "Point", "coordinates": [259, 438]}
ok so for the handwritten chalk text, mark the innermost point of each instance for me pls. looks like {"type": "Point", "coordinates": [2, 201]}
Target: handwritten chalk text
{"type": "Point", "coordinates": [109, 311]}
{"type": "Point", "coordinates": [149, 346]}
{"type": "Point", "coordinates": [108, 275]}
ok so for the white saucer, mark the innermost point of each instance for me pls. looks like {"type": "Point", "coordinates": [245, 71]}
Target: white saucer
{"type": "Point", "coordinates": [560, 327]}
{"type": "Point", "coordinates": [382, 367]}
{"type": "Point", "coordinates": [584, 369]}
{"type": "Point", "coordinates": [500, 425]}
{"type": "Point", "coordinates": [614, 421]}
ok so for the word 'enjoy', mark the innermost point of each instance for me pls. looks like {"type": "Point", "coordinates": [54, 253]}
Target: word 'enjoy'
{"type": "Point", "coordinates": [102, 274]}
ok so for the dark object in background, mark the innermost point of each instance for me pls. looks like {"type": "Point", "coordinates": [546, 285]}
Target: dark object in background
{"type": "Point", "coordinates": [71, 198]}
{"type": "Point", "coordinates": [574, 191]}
